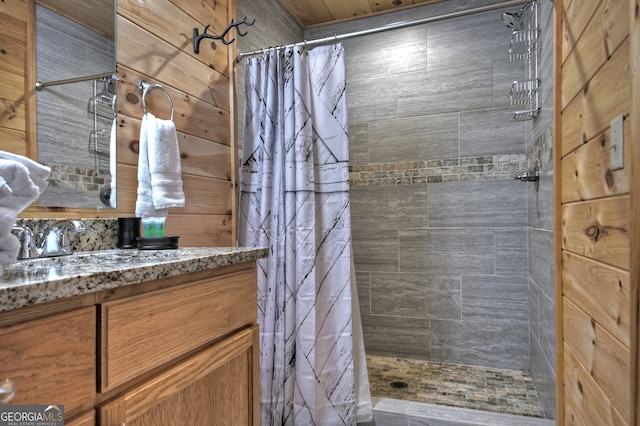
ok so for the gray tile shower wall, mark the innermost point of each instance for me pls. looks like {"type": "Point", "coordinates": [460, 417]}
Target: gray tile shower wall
{"type": "Point", "coordinates": [439, 223]}
{"type": "Point", "coordinates": [402, 143]}
{"type": "Point", "coordinates": [539, 144]}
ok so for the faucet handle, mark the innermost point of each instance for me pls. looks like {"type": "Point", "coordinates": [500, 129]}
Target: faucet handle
{"type": "Point", "coordinates": [27, 242]}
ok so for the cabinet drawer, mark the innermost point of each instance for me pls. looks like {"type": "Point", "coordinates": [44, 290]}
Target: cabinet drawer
{"type": "Point", "coordinates": [52, 360]}
{"type": "Point", "coordinates": [147, 331]}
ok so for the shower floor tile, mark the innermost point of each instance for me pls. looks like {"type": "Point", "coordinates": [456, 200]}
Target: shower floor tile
{"type": "Point", "coordinates": [456, 385]}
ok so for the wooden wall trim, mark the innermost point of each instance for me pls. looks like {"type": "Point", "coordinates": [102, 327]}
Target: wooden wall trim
{"type": "Point", "coordinates": [30, 89]}
{"type": "Point", "coordinates": [634, 63]}
{"type": "Point", "coordinates": [557, 211]}
{"type": "Point", "coordinates": [596, 212]}
{"type": "Point", "coordinates": [233, 130]}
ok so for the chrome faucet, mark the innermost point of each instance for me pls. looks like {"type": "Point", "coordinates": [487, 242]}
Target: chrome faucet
{"type": "Point", "coordinates": [27, 242]}
{"type": "Point", "coordinates": [53, 241]}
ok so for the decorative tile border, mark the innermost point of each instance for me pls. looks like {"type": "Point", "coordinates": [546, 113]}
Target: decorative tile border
{"type": "Point", "coordinates": [437, 171]}
{"type": "Point", "coordinates": [69, 177]}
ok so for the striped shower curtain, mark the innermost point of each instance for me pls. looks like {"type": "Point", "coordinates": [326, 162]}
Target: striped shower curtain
{"type": "Point", "coordinates": [294, 199]}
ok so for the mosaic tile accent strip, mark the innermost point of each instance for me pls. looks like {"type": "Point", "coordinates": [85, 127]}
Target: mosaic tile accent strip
{"type": "Point", "coordinates": [77, 178]}
{"type": "Point", "coordinates": [455, 385]}
{"type": "Point", "coordinates": [437, 171]}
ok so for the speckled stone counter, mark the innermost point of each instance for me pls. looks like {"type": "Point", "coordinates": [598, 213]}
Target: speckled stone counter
{"type": "Point", "coordinates": [35, 281]}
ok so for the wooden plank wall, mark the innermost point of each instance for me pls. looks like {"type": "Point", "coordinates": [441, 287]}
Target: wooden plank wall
{"type": "Point", "coordinates": [597, 321]}
{"type": "Point", "coordinates": [154, 43]}
{"type": "Point", "coordinates": [13, 53]}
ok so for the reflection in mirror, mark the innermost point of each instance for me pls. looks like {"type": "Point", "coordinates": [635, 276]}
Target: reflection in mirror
{"type": "Point", "coordinates": [76, 120]}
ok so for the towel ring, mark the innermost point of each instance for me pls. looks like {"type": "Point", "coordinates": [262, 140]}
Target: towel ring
{"type": "Point", "coordinates": [146, 87]}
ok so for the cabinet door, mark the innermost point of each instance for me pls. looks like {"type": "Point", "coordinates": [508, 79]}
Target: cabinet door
{"type": "Point", "coordinates": [88, 419]}
{"type": "Point", "coordinates": [217, 386]}
{"type": "Point", "coordinates": [52, 360]}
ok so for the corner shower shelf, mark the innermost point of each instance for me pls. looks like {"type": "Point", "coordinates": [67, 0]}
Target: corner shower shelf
{"type": "Point", "coordinates": [525, 93]}
{"type": "Point", "coordinates": [524, 47]}
{"type": "Point", "coordinates": [522, 42]}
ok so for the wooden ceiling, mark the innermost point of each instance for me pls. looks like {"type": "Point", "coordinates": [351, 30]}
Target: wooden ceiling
{"type": "Point", "coordinates": [315, 13]}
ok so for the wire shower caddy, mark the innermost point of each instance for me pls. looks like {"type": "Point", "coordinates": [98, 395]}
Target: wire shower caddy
{"type": "Point", "coordinates": [524, 47]}
{"type": "Point", "coordinates": [102, 109]}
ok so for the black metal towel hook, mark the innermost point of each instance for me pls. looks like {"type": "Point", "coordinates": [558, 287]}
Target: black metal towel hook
{"type": "Point", "coordinates": [197, 37]}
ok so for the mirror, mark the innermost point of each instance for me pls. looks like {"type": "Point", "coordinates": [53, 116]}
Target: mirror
{"type": "Point", "coordinates": [75, 101]}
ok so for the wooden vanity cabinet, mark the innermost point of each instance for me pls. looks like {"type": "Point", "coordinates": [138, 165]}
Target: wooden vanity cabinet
{"type": "Point", "coordinates": [87, 419]}
{"type": "Point", "coordinates": [52, 360]}
{"type": "Point", "coordinates": [194, 345]}
{"type": "Point", "coordinates": [212, 387]}
{"type": "Point", "coordinates": [177, 351]}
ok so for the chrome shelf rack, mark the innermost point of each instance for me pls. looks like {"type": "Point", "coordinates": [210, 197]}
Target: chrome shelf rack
{"type": "Point", "coordinates": [524, 47]}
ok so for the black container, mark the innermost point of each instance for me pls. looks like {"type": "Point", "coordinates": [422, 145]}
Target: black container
{"type": "Point", "coordinates": [128, 232]}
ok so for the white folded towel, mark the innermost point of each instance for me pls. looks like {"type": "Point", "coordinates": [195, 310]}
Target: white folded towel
{"type": "Point", "coordinates": [159, 169]}
{"type": "Point", "coordinates": [20, 189]}
{"type": "Point", "coordinates": [5, 189]}
{"type": "Point", "coordinates": [22, 180]}
{"type": "Point", "coordinates": [38, 173]}
{"type": "Point", "coordinates": [9, 248]}
{"type": "Point", "coordinates": [7, 219]}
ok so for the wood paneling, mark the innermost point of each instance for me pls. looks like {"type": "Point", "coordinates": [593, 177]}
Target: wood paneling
{"type": "Point", "coordinates": [12, 54]}
{"type": "Point", "coordinates": [607, 29]}
{"type": "Point", "coordinates": [634, 119]}
{"type": "Point", "coordinates": [587, 283]}
{"type": "Point", "coordinates": [604, 357]}
{"type": "Point", "coordinates": [586, 172]}
{"type": "Point", "coordinates": [577, 15]}
{"type": "Point", "coordinates": [192, 115]}
{"type": "Point", "coordinates": [606, 96]}
{"type": "Point", "coordinates": [310, 13]}
{"type": "Point", "coordinates": [143, 52]}
{"type": "Point", "coordinates": [587, 397]}
{"type": "Point", "coordinates": [598, 229]}
{"type": "Point", "coordinates": [597, 319]}
{"type": "Point", "coordinates": [13, 47]}
{"type": "Point", "coordinates": [154, 43]}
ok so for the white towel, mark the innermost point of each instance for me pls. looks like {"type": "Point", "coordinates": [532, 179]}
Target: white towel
{"type": "Point", "coordinates": [159, 169]}
{"type": "Point", "coordinates": [38, 173]}
{"type": "Point", "coordinates": [22, 189]}
{"type": "Point", "coordinates": [9, 248]}
{"type": "Point", "coordinates": [5, 189]}
{"type": "Point", "coordinates": [22, 182]}
{"type": "Point", "coordinates": [7, 219]}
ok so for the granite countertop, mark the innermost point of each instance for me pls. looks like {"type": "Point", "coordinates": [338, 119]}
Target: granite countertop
{"type": "Point", "coordinates": [34, 281]}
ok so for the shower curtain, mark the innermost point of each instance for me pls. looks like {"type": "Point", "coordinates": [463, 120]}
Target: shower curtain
{"type": "Point", "coordinates": [294, 200]}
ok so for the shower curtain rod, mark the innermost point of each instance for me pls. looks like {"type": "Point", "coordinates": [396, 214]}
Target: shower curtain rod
{"type": "Point", "coordinates": [336, 38]}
